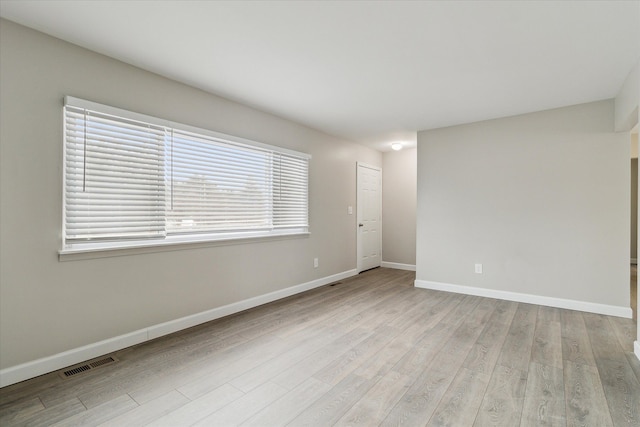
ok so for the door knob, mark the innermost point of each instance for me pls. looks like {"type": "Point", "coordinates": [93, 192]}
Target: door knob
{"type": "Point", "coordinates": [360, 225]}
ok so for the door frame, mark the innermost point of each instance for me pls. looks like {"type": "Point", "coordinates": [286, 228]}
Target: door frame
{"type": "Point", "coordinates": [359, 214]}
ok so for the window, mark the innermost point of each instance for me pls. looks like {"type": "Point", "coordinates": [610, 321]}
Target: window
{"type": "Point", "coordinates": [134, 180]}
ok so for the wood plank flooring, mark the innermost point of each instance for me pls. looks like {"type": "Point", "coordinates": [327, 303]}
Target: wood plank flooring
{"type": "Point", "coordinates": [370, 350]}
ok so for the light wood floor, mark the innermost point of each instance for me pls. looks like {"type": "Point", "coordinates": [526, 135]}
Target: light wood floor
{"type": "Point", "coordinates": [372, 350]}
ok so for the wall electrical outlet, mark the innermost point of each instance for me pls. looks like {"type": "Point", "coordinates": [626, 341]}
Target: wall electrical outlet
{"type": "Point", "coordinates": [350, 210]}
{"type": "Point", "coordinates": [478, 268]}
{"type": "Point", "coordinates": [315, 263]}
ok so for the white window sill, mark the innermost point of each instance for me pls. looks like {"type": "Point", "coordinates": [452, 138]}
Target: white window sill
{"type": "Point", "coordinates": [79, 251]}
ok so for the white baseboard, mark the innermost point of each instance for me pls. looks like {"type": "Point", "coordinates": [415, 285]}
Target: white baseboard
{"type": "Point", "coordinates": [398, 266]}
{"type": "Point", "coordinates": [45, 365]}
{"type": "Point", "coordinates": [58, 361]}
{"type": "Point", "coordinates": [590, 307]}
{"type": "Point", "coordinates": [216, 313]}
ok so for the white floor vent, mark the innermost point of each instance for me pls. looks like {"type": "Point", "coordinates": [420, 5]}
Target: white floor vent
{"type": "Point", "coordinates": [75, 370]}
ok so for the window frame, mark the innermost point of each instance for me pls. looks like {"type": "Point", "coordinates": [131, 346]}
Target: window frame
{"type": "Point", "coordinates": [171, 241]}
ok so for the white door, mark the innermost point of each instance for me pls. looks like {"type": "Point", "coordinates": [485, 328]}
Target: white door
{"type": "Point", "coordinates": [369, 209]}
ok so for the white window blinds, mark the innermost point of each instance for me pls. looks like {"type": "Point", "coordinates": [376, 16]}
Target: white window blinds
{"type": "Point", "coordinates": [113, 177]}
{"type": "Point", "coordinates": [290, 197]}
{"type": "Point", "coordinates": [133, 177]}
{"type": "Point", "coordinates": [218, 186]}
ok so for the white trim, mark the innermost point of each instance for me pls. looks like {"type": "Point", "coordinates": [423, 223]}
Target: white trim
{"type": "Point", "coordinates": [398, 266]}
{"type": "Point", "coordinates": [590, 307]}
{"type": "Point", "coordinates": [171, 243]}
{"type": "Point", "coordinates": [369, 166]}
{"type": "Point", "coordinates": [636, 349]}
{"type": "Point", "coordinates": [216, 313]}
{"type": "Point", "coordinates": [48, 364]}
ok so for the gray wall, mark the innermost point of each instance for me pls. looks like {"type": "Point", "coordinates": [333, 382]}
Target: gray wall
{"type": "Point", "coordinates": [399, 170]}
{"type": "Point", "coordinates": [48, 306]}
{"type": "Point", "coordinates": [541, 200]}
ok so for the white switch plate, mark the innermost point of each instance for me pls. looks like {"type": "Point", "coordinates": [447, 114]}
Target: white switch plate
{"type": "Point", "coordinates": [315, 263]}
{"type": "Point", "coordinates": [350, 210]}
{"type": "Point", "coordinates": [479, 268]}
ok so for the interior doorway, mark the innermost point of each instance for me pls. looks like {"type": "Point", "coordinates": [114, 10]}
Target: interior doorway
{"type": "Point", "coordinates": [369, 216]}
{"type": "Point", "coordinates": [633, 292]}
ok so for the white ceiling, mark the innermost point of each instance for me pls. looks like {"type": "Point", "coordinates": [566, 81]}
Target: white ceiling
{"type": "Point", "coordinates": [372, 72]}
